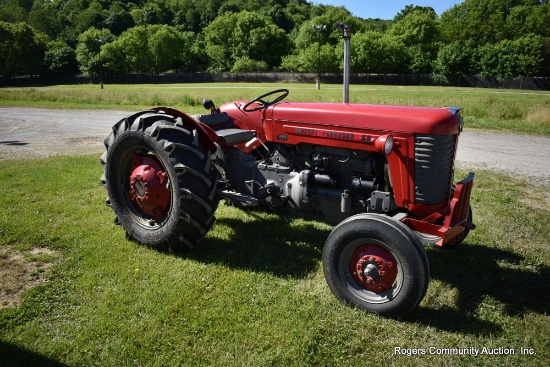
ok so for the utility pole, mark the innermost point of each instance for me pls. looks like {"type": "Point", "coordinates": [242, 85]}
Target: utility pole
{"type": "Point", "coordinates": [346, 35]}
{"type": "Point", "coordinates": [319, 28]}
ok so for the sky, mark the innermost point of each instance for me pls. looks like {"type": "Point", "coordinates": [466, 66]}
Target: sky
{"type": "Point", "coordinates": [386, 9]}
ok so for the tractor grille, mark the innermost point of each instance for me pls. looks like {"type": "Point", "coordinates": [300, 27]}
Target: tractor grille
{"type": "Point", "coordinates": [433, 157]}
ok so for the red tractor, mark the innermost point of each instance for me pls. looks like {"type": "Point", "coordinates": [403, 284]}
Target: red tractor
{"type": "Point", "coordinates": [383, 174]}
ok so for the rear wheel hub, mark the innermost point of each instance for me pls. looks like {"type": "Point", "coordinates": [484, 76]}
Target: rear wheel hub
{"type": "Point", "coordinates": [148, 186]}
{"type": "Point", "coordinates": [373, 268]}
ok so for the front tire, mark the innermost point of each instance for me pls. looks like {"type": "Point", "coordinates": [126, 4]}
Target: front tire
{"type": "Point", "coordinates": [376, 263]}
{"type": "Point", "coordinates": [160, 181]}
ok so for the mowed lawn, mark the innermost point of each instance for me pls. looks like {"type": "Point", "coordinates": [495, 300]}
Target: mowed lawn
{"type": "Point", "coordinates": [253, 292]}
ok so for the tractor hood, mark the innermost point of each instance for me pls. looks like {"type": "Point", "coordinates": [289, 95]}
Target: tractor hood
{"type": "Point", "coordinates": [415, 120]}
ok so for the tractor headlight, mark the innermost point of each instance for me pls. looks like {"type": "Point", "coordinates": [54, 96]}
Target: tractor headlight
{"type": "Point", "coordinates": [384, 144]}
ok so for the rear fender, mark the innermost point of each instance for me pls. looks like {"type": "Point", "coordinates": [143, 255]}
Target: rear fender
{"type": "Point", "coordinates": [206, 135]}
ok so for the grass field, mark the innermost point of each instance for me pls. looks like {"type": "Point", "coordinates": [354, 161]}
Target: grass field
{"type": "Point", "coordinates": [520, 111]}
{"type": "Point", "coordinates": [253, 292]}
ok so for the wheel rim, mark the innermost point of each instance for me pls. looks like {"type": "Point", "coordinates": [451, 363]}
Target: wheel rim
{"type": "Point", "coordinates": [148, 186]}
{"type": "Point", "coordinates": [371, 272]}
{"type": "Point", "coordinates": [144, 185]}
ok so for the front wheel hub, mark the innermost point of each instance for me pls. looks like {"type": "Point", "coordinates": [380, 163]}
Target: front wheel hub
{"type": "Point", "coordinates": [373, 268]}
{"type": "Point", "coordinates": [149, 186]}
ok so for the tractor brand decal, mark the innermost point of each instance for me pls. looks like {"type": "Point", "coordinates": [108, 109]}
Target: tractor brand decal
{"type": "Point", "coordinates": [338, 135]}
{"type": "Point", "coordinates": [304, 131]}
{"type": "Point", "coordinates": [366, 138]}
{"type": "Point", "coordinates": [330, 134]}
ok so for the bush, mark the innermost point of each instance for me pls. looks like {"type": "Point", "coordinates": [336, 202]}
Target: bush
{"type": "Point", "coordinates": [245, 63]}
{"type": "Point", "coordinates": [520, 57]}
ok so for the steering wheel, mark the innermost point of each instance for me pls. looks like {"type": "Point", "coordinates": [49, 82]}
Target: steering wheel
{"type": "Point", "coordinates": [263, 103]}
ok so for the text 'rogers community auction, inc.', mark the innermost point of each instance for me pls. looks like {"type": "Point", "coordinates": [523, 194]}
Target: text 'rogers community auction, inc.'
{"type": "Point", "coordinates": [462, 351]}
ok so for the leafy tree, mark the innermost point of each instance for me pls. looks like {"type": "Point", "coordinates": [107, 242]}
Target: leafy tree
{"type": "Point", "coordinates": [71, 8]}
{"type": "Point", "coordinates": [419, 58]}
{"type": "Point", "coordinates": [46, 19]}
{"type": "Point", "coordinates": [60, 59]}
{"type": "Point", "coordinates": [258, 38]}
{"type": "Point", "coordinates": [188, 20]}
{"type": "Point", "coordinates": [114, 57]}
{"type": "Point", "coordinates": [90, 17]}
{"type": "Point", "coordinates": [88, 50]}
{"type": "Point", "coordinates": [194, 15]}
{"type": "Point", "coordinates": [247, 35]}
{"type": "Point", "coordinates": [308, 60]}
{"type": "Point", "coordinates": [375, 52]}
{"type": "Point", "coordinates": [150, 49]}
{"type": "Point", "coordinates": [410, 9]}
{"type": "Point", "coordinates": [524, 56]}
{"type": "Point", "coordinates": [22, 49]}
{"type": "Point", "coordinates": [167, 47]}
{"type": "Point", "coordinates": [379, 25]}
{"type": "Point", "coordinates": [230, 7]}
{"type": "Point", "coordinates": [320, 31]}
{"type": "Point", "coordinates": [130, 51]}
{"type": "Point", "coordinates": [198, 58]}
{"type": "Point", "coordinates": [417, 28]}
{"type": "Point", "coordinates": [218, 35]}
{"type": "Point", "coordinates": [11, 11]}
{"type": "Point", "coordinates": [118, 19]}
{"type": "Point", "coordinates": [279, 16]}
{"type": "Point", "coordinates": [455, 58]}
{"type": "Point", "coordinates": [152, 13]}
{"type": "Point", "coordinates": [511, 58]}
{"type": "Point", "coordinates": [532, 19]}
{"type": "Point", "coordinates": [298, 11]}
{"type": "Point", "coordinates": [366, 52]}
{"type": "Point", "coordinates": [483, 21]}
{"type": "Point", "coordinates": [308, 33]}
{"type": "Point", "coordinates": [292, 63]}
{"type": "Point", "coordinates": [245, 64]}
{"type": "Point", "coordinates": [545, 67]}
{"type": "Point", "coordinates": [233, 36]}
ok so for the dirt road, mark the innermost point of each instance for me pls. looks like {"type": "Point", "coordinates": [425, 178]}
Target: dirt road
{"type": "Point", "coordinates": [30, 133]}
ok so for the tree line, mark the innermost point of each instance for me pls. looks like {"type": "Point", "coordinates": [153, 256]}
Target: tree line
{"type": "Point", "coordinates": [64, 37]}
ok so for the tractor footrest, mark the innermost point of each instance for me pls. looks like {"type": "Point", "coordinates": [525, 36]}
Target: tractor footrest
{"type": "Point", "coordinates": [245, 201]}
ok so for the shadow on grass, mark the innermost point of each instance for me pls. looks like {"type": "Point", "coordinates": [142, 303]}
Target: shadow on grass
{"type": "Point", "coordinates": [480, 273]}
{"type": "Point", "coordinates": [272, 245]}
{"type": "Point", "coordinates": [14, 356]}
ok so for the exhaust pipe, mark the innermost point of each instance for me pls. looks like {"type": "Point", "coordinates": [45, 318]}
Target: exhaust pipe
{"type": "Point", "coordinates": [346, 35]}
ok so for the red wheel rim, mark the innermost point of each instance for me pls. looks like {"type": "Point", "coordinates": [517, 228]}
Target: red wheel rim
{"type": "Point", "coordinates": [373, 268]}
{"type": "Point", "coordinates": [148, 186]}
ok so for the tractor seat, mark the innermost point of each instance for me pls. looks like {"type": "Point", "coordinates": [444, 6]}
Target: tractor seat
{"type": "Point", "coordinates": [235, 136]}
{"type": "Point", "coordinates": [215, 119]}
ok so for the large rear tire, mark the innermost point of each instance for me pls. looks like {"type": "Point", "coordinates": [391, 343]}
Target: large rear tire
{"type": "Point", "coordinates": [376, 263]}
{"type": "Point", "coordinates": [160, 181]}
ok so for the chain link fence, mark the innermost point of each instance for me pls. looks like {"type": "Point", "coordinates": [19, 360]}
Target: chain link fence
{"type": "Point", "coordinates": [479, 81]}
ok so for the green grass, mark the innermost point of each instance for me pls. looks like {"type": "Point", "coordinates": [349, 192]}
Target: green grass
{"type": "Point", "coordinates": [515, 110]}
{"type": "Point", "coordinates": [253, 293]}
